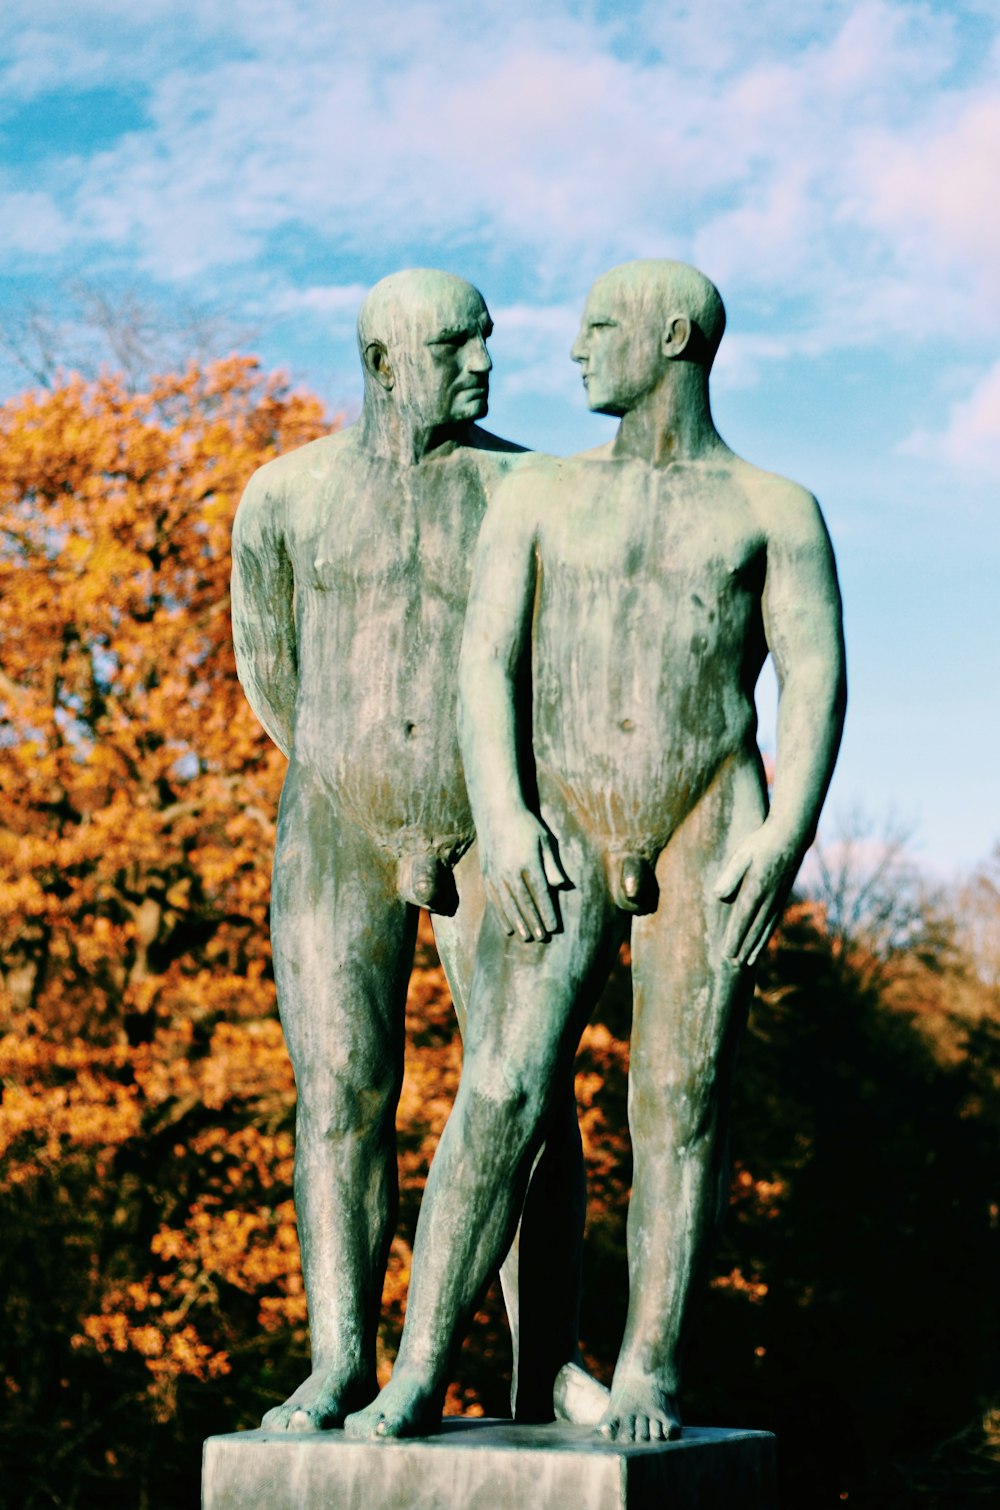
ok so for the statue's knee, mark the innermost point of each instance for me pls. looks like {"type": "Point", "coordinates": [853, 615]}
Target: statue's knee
{"type": "Point", "coordinates": [684, 1104]}
{"type": "Point", "coordinates": [504, 1107]}
{"type": "Point", "coordinates": [341, 1108]}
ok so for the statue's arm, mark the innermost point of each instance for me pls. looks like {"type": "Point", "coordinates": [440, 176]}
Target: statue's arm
{"type": "Point", "coordinates": [804, 630]}
{"type": "Point", "coordinates": [263, 610]}
{"type": "Point", "coordinates": [803, 624]}
{"type": "Point", "coordinates": [516, 853]}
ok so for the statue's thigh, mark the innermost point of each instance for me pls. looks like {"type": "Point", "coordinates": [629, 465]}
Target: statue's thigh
{"type": "Point", "coordinates": [342, 939]}
{"type": "Point", "coordinates": [458, 936]}
{"type": "Point", "coordinates": [531, 1001]}
{"type": "Point", "coordinates": [689, 1001]}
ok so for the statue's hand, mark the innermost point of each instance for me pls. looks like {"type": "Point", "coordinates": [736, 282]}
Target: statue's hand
{"type": "Point", "coordinates": [520, 868]}
{"type": "Point", "coordinates": [755, 881]}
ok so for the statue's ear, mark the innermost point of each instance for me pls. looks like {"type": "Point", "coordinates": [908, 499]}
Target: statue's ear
{"type": "Point", "coordinates": [376, 359]}
{"type": "Point", "coordinates": [676, 336]}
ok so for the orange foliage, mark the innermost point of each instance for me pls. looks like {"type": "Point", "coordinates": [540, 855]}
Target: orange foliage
{"type": "Point", "coordinates": [137, 806]}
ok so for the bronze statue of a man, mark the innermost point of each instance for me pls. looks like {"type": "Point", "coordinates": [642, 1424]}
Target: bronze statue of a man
{"type": "Point", "coordinates": [352, 559]}
{"type": "Point", "coordinates": [636, 590]}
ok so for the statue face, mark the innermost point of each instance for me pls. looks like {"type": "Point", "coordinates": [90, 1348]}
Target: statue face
{"type": "Point", "coordinates": [618, 348]}
{"type": "Point", "coordinates": [442, 365]}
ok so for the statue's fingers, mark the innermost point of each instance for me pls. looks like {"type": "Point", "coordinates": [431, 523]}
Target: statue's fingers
{"type": "Point", "coordinates": [554, 873]}
{"type": "Point", "coordinates": [744, 909]}
{"type": "Point", "coordinates": [493, 892]}
{"type": "Point", "coordinates": [762, 942]}
{"type": "Point", "coordinates": [528, 891]}
{"type": "Point", "coordinates": [753, 937]}
{"type": "Point", "coordinates": [516, 912]}
{"type": "Point", "coordinates": [537, 886]}
{"type": "Point", "coordinates": [732, 873]}
{"type": "Point", "coordinates": [774, 915]}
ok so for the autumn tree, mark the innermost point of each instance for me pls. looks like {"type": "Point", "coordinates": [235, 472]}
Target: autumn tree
{"type": "Point", "coordinates": [88, 326]}
{"type": "Point", "coordinates": [137, 805]}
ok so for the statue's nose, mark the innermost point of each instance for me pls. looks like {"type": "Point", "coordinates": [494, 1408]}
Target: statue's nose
{"type": "Point", "coordinates": [479, 359]}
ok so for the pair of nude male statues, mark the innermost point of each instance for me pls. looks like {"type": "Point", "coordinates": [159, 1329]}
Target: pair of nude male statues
{"type": "Point", "coordinates": [586, 766]}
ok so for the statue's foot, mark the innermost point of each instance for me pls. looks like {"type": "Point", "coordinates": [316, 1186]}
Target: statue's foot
{"type": "Point", "coordinates": [640, 1411]}
{"type": "Point", "coordinates": [320, 1402]}
{"type": "Point", "coordinates": [578, 1397]}
{"type": "Point", "coordinates": [409, 1406]}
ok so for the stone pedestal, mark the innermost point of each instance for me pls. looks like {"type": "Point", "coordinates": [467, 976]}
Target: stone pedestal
{"type": "Point", "coordinates": [489, 1465]}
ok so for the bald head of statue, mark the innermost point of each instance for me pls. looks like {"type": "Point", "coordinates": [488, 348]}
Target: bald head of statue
{"type": "Point", "coordinates": [422, 338]}
{"type": "Point", "coordinates": [639, 320]}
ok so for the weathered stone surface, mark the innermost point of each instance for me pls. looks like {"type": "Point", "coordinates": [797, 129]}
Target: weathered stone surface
{"type": "Point", "coordinates": [489, 1465]}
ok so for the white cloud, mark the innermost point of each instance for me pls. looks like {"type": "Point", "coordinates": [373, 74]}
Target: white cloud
{"type": "Point", "coordinates": [339, 300]}
{"type": "Point", "coordinates": [743, 358]}
{"type": "Point", "coordinates": [36, 63]}
{"type": "Point", "coordinates": [530, 346]}
{"type": "Point", "coordinates": [32, 224]}
{"type": "Point", "coordinates": [971, 438]}
{"type": "Point", "coordinates": [824, 165]}
{"type": "Point", "coordinates": [935, 191]}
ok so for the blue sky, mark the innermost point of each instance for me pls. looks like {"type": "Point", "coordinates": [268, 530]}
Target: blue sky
{"type": "Point", "coordinates": [834, 167]}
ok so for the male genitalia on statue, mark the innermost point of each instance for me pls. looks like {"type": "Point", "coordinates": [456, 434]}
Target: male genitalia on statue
{"type": "Point", "coordinates": [637, 589]}
{"type": "Point", "coordinates": [352, 559]}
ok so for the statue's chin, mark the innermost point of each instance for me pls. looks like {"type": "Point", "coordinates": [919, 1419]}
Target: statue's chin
{"type": "Point", "coordinates": [474, 407]}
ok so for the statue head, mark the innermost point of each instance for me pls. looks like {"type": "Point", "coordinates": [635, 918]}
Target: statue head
{"type": "Point", "coordinates": [422, 337]}
{"type": "Point", "coordinates": [639, 320]}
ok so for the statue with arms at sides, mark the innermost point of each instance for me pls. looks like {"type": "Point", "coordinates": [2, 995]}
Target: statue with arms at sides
{"type": "Point", "coordinates": [352, 559]}
{"type": "Point", "coordinates": [628, 597]}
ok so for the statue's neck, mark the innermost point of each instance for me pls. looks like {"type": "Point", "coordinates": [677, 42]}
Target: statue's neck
{"type": "Point", "coordinates": [398, 437]}
{"type": "Point", "coordinates": [672, 422]}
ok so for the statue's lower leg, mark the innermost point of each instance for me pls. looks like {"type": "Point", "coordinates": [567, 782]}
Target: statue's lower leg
{"type": "Point", "coordinates": [547, 1258]}
{"type": "Point", "coordinates": [342, 1005]}
{"type": "Point", "coordinates": [468, 1216]}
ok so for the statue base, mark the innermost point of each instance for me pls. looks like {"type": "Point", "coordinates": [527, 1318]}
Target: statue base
{"type": "Point", "coordinates": [489, 1465]}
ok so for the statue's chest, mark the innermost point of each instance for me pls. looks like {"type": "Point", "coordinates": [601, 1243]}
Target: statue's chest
{"type": "Point", "coordinates": [652, 545]}
{"type": "Point", "coordinates": [407, 536]}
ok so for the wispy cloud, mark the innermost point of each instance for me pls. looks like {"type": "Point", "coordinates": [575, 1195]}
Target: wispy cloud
{"type": "Point", "coordinates": [341, 300]}
{"type": "Point", "coordinates": [32, 224]}
{"type": "Point", "coordinates": [970, 440]}
{"type": "Point", "coordinates": [836, 168]}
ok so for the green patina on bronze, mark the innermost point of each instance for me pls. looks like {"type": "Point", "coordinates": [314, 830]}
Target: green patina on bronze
{"type": "Point", "coordinates": [622, 607]}
{"type": "Point", "coordinates": [352, 559]}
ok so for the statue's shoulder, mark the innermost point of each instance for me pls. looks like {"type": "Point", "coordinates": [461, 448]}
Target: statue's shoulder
{"type": "Point", "coordinates": [279, 490]}
{"type": "Point", "coordinates": [296, 469]}
{"type": "Point", "coordinates": [603, 452]}
{"type": "Point", "coordinates": [563, 480]}
{"type": "Point", "coordinates": [781, 506]}
{"type": "Point", "coordinates": [535, 478]}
